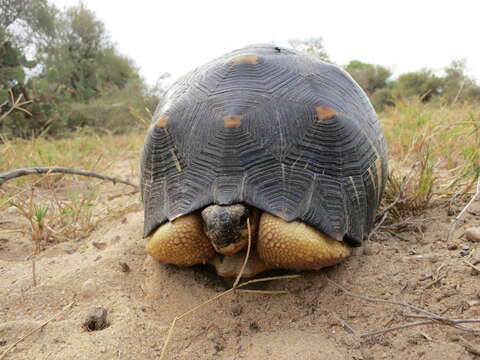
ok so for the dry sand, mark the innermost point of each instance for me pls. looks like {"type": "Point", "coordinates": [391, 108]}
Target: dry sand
{"type": "Point", "coordinates": [306, 323]}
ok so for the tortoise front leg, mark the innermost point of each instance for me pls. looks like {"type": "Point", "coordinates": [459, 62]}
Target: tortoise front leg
{"type": "Point", "coordinates": [295, 245]}
{"type": "Point", "coordinates": [181, 242]}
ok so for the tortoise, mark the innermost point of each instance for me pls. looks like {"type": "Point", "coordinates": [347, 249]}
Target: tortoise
{"type": "Point", "coordinates": [266, 140]}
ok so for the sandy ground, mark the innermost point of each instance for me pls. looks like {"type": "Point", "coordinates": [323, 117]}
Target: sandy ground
{"type": "Point", "coordinates": [306, 323]}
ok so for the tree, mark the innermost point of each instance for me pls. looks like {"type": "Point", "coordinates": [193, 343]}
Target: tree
{"type": "Point", "coordinates": [312, 46]}
{"type": "Point", "coordinates": [458, 85]}
{"type": "Point", "coordinates": [423, 84]}
{"type": "Point", "coordinates": [73, 71]}
{"type": "Point", "coordinates": [369, 76]}
{"type": "Point", "coordinates": [82, 58]}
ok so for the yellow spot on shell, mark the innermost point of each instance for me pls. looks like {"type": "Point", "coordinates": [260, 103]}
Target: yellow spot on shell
{"type": "Point", "coordinates": [245, 59]}
{"type": "Point", "coordinates": [325, 113]}
{"type": "Point", "coordinates": [162, 121]}
{"type": "Point", "coordinates": [232, 121]}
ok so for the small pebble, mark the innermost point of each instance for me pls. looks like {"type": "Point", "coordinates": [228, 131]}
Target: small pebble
{"type": "Point", "coordinates": [99, 245]}
{"type": "Point", "coordinates": [473, 234]}
{"type": "Point", "coordinates": [124, 267]}
{"type": "Point", "coordinates": [89, 288]}
{"type": "Point", "coordinates": [452, 246]}
{"type": "Point", "coordinates": [96, 319]}
{"type": "Point", "coordinates": [11, 210]}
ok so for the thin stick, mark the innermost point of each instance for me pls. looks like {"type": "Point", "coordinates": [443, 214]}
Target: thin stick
{"type": "Point", "coordinates": [234, 287]}
{"type": "Point", "coordinates": [15, 105]}
{"type": "Point", "coordinates": [470, 347]}
{"type": "Point", "coordinates": [272, 278]}
{"type": "Point", "coordinates": [366, 298]}
{"type": "Point", "coordinates": [167, 340]}
{"type": "Point", "coordinates": [455, 221]}
{"type": "Point", "coordinates": [34, 330]}
{"type": "Point", "coordinates": [270, 292]}
{"type": "Point", "coordinates": [472, 266]}
{"type": "Point", "coordinates": [34, 273]}
{"type": "Point", "coordinates": [242, 269]}
{"type": "Point", "coordinates": [9, 175]}
{"type": "Point", "coordinates": [446, 320]}
{"type": "Point", "coordinates": [384, 331]}
{"type": "Point", "coordinates": [343, 323]}
{"type": "Point", "coordinates": [437, 280]}
{"type": "Point", "coordinates": [378, 225]}
{"type": "Point", "coordinates": [452, 322]}
{"type": "Point", "coordinates": [218, 296]}
{"type": "Point", "coordinates": [431, 317]}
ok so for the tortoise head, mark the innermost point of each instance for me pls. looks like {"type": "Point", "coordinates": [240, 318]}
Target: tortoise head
{"type": "Point", "coordinates": [226, 227]}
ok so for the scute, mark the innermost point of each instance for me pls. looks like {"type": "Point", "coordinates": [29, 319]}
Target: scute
{"type": "Point", "coordinates": [272, 128]}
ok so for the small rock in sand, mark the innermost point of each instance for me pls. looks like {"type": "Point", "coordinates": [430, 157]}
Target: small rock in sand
{"type": "Point", "coordinates": [473, 234]}
{"type": "Point", "coordinates": [96, 319]}
{"type": "Point", "coordinates": [89, 288]}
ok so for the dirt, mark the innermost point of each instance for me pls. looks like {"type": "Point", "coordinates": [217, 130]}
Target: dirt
{"type": "Point", "coordinates": [109, 269]}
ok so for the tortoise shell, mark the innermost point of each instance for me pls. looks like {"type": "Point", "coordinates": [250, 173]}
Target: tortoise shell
{"type": "Point", "coordinates": [269, 127]}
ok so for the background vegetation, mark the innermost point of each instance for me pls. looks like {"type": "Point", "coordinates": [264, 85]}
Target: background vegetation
{"type": "Point", "coordinates": [66, 64]}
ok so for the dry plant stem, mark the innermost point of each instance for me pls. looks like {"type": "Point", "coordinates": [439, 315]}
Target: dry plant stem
{"type": "Point", "coordinates": [378, 225]}
{"type": "Point", "coordinates": [470, 347]}
{"type": "Point", "coordinates": [9, 175]}
{"type": "Point", "coordinates": [455, 221]}
{"type": "Point", "coordinates": [472, 266]}
{"type": "Point", "coordinates": [384, 331]}
{"type": "Point", "coordinates": [343, 323]}
{"type": "Point", "coordinates": [229, 291]}
{"type": "Point", "coordinates": [269, 292]}
{"type": "Point", "coordinates": [15, 105]}
{"type": "Point", "coordinates": [245, 261]}
{"type": "Point", "coordinates": [399, 197]}
{"type": "Point", "coordinates": [366, 298]}
{"type": "Point", "coordinates": [34, 273]}
{"type": "Point", "coordinates": [34, 330]}
{"type": "Point", "coordinates": [431, 317]}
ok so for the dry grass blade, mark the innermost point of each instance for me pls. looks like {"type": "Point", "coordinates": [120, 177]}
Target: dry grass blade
{"type": "Point", "coordinates": [431, 318]}
{"type": "Point", "coordinates": [455, 221]}
{"type": "Point", "coordinates": [56, 169]}
{"type": "Point", "coordinates": [247, 255]}
{"type": "Point", "coordinates": [2, 356]}
{"type": "Point", "coordinates": [367, 298]}
{"type": "Point", "coordinates": [236, 286]}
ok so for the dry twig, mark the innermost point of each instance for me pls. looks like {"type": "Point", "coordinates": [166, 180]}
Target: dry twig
{"type": "Point", "coordinates": [455, 221]}
{"type": "Point", "coordinates": [9, 175]}
{"type": "Point", "coordinates": [430, 318]}
{"type": "Point", "coordinates": [472, 266]}
{"type": "Point", "coordinates": [236, 287]}
{"type": "Point", "coordinates": [2, 356]}
{"type": "Point", "coordinates": [15, 104]}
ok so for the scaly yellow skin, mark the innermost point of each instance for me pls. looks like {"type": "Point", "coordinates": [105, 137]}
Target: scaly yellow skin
{"type": "Point", "coordinates": [295, 245]}
{"type": "Point", "coordinates": [181, 242]}
{"type": "Point", "coordinates": [280, 244]}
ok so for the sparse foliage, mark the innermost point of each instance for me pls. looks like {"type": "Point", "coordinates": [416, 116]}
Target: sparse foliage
{"type": "Point", "coordinates": [312, 46]}
{"type": "Point", "coordinates": [72, 70]}
{"type": "Point", "coordinates": [369, 76]}
{"type": "Point", "coordinates": [423, 84]}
